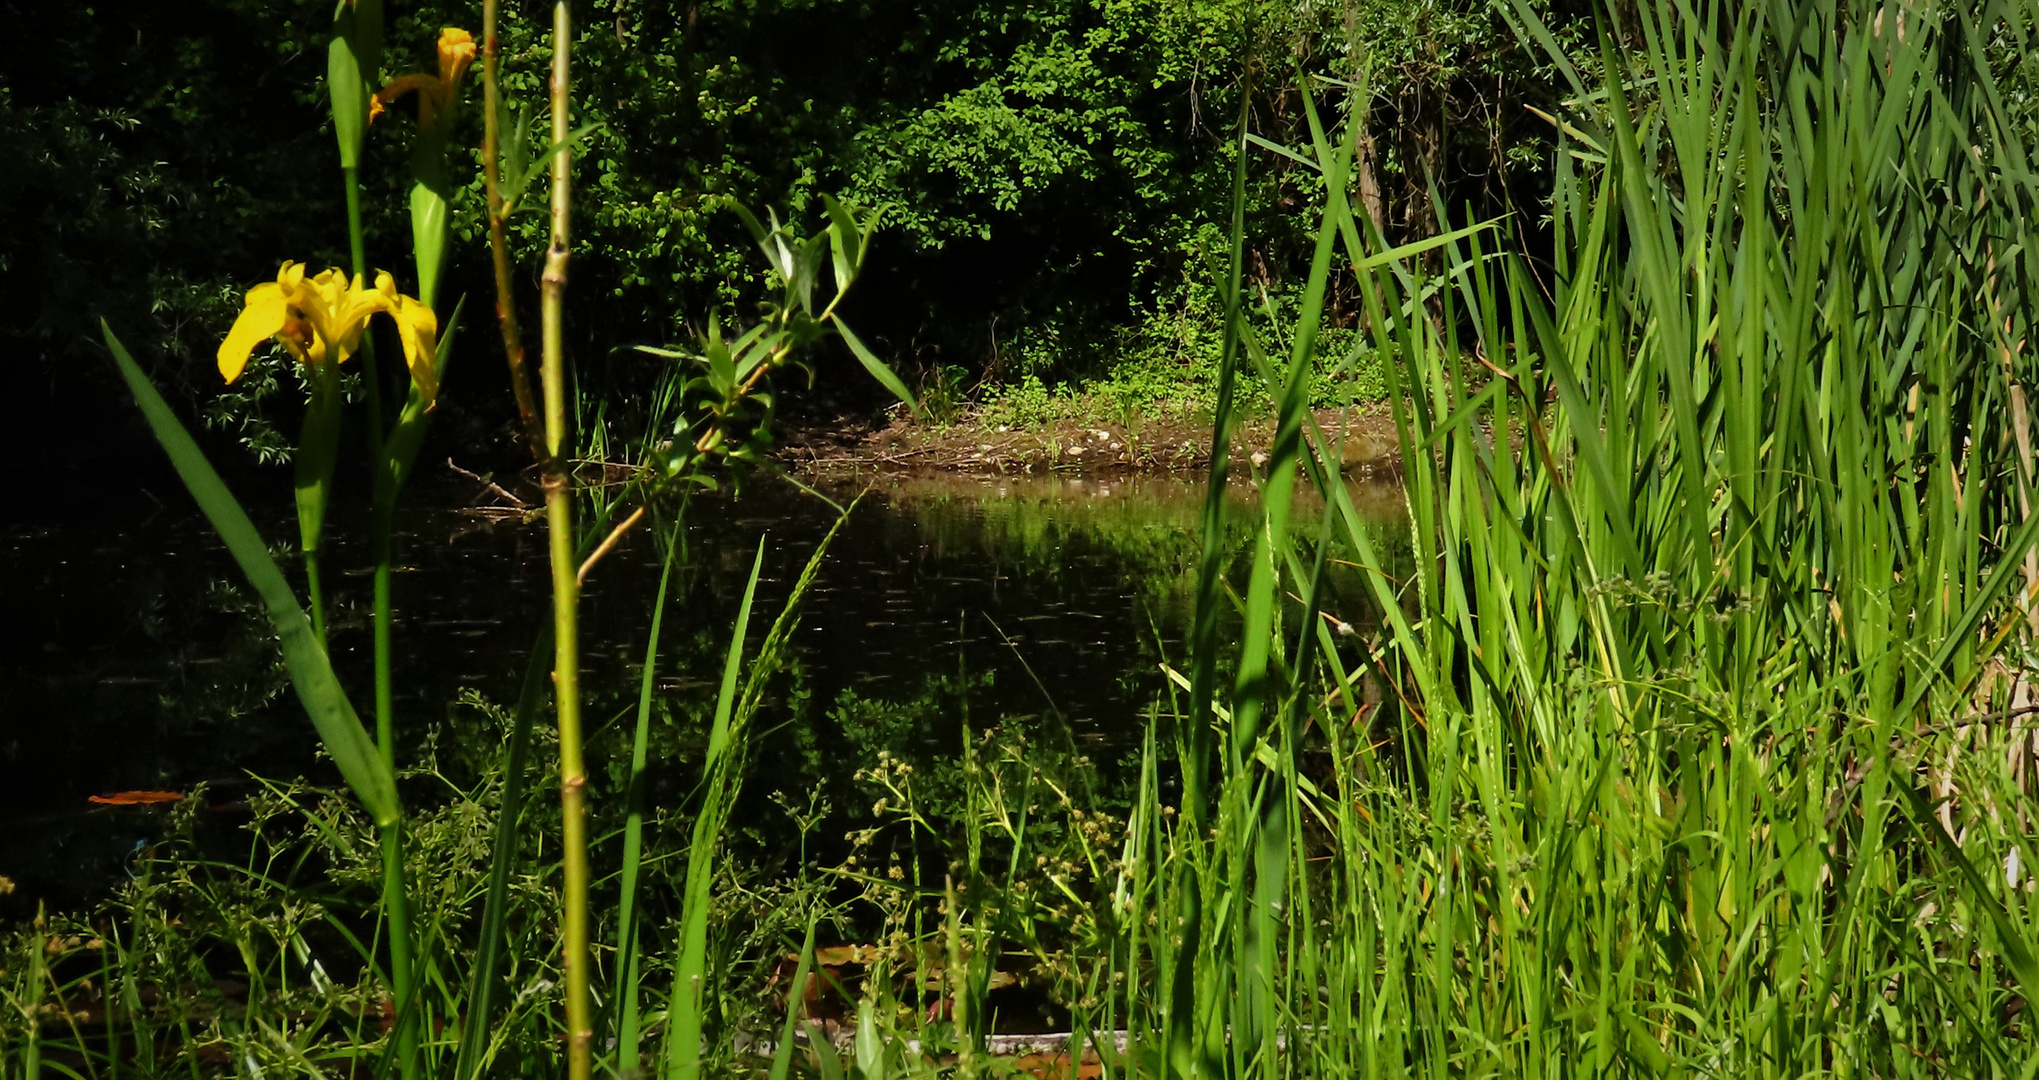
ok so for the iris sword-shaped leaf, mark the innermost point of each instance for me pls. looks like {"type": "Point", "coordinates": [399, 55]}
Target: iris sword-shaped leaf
{"type": "Point", "coordinates": [311, 673]}
{"type": "Point", "coordinates": [353, 57]}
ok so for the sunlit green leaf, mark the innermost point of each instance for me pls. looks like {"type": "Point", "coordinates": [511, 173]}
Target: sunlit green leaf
{"type": "Point", "coordinates": [875, 366]}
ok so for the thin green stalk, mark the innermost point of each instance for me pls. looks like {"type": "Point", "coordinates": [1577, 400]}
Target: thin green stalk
{"type": "Point", "coordinates": [385, 688]}
{"type": "Point", "coordinates": [31, 1052]}
{"type": "Point", "coordinates": [109, 950]}
{"type": "Point", "coordinates": [546, 436]}
{"type": "Point", "coordinates": [498, 219]}
{"type": "Point", "coordinates": [565, 588]}
{"type": "Point", "coordinates": [402, 961]}
{"type": "Point", "coordinates": [391, 460]}
{"type": "Point", "coordinates": [357, 245]}
{"type": "Point", "coordinates": [395, 893]}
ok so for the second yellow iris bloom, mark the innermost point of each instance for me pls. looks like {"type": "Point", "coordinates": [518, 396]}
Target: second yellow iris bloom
{"type": "Point", "coordinates": [322, 317]}
{"type": "Point", "coordinates": [436, 93]}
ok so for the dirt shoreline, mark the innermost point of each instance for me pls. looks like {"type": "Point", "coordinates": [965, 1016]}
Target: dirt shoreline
{"type": "Point", "coordinates": [1147, 444]}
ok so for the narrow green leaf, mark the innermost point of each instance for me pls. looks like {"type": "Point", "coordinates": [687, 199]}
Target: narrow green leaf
{"type": "Point", "coordinates": [807, 257]}
{"type": "Point", "coordinates": [515, 148]}
{"type": "Point", "coordinates": [519, 174]}
{"type": "Point", "coordinates": [796, 1000]}
{"type": "Point", "coordinates": [484, 979]}
{"type": "Point", "coordinates": [574, 138]}
{"type": "Point", "coordinates": [757, 352]}
{"type": "Point", "coordinates": [827, 1062]}
{"type": "Point", "coordinates": [875, 366]}
{"type": "Point", "coordinates": [775, 255]}
{"type": "Point", "coordinates": [311, 673]}
{"type": "Point", "coordinates": [683, 1008]}
{"type": "Point", "coordinates": [870, 1049]}
{"type": "Point", "coordinates": [732, 664]}
{"type": "Point", "coordinates": [1268, 144]}
{"type": "Point", "coordinates": [2017, 944]}
{"type": "Point", "coordinates": [629, 960]}
{"type": "Point", "coordinates": [1961, 633]}
{"type": "Point", "coordinates": [845, 242]}
{"type": "Point", "coordinates": [1397, 254]}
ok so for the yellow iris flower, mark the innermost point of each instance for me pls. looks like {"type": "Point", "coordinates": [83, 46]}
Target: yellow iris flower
{"type": "Point", "coordinates": [320, 318]}
{"type": "Point", "coordinates": [435, 92]}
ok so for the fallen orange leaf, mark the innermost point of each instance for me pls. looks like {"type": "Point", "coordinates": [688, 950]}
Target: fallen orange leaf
{"type": "Point", "coordinates": [137, 798]}
{"type": "Point", "coordinates": [1049, 1066]}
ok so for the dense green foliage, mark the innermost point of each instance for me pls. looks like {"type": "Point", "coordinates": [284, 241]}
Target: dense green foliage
{"type": "Point", "coordinates": [1052, 169]}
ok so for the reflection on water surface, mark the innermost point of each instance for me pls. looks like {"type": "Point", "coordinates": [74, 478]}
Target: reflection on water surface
{"type": "Point", "coordinates": [136, 662]}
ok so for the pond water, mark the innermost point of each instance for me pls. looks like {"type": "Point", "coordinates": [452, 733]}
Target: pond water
{"type": "Point", "coordinates": [135, 660]}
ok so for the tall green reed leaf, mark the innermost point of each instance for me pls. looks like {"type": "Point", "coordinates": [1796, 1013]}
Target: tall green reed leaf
{"type": "Point", "coordinates": [1210, 566]}
{"type": "Point", "coordinates": [629, 960]}
{"type": "Point", "coordinates": [684, 1006]}
{"type": "Point", "coordinates": [796, 1004]}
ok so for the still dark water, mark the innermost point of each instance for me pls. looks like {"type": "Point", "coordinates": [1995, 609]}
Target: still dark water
{"type": "Point", "coordinates": [135, 659]}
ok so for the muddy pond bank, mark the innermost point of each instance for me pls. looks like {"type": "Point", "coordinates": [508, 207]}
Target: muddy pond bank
{"type": "Point", "coordinates": [1166, 442]}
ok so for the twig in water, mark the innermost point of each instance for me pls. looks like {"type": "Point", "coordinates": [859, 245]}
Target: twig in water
{"type": "Point", "coordinates": [488, 485]}
{"type": "Point", "coordinates": [1029, 668]}
{"type": "Point", "coordinates": [615, 534]}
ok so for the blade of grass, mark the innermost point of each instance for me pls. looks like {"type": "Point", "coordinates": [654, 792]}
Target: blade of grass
{"type": "Point", "coordinates": [628, 1052]}
{"type": "Point", "coordinates": [683, 1009]}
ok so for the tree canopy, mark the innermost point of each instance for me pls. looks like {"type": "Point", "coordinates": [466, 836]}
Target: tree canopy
{"type": "Point", "coordinates": [1050, 169]}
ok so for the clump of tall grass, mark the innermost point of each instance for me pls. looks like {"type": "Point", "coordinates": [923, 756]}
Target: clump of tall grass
{"type": "Point", "coordinates": [1702, 750]}
{"type": "Point", "coordinates": [1695, 742]}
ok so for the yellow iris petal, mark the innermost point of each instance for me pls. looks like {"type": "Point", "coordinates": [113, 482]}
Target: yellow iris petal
{"type": "Point", "coordinates": [456, 52]}
{"type": "Point", "coordinates": [263, 317]}
{"type": "Point", "coordinates": [347, 311]}
{"type": "Point", "coordinates": [435, 92]}
{"type": "Point", "coordinates": [425, 85]}
{"type": "Point", "coordinates": [419, 328]}
{"type": "Point", "coordinates": [324, 316]}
